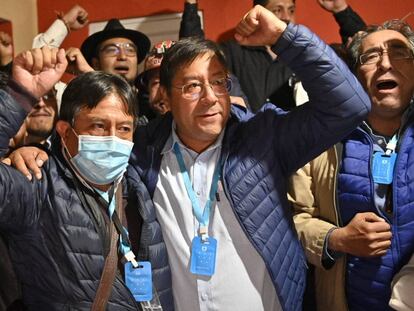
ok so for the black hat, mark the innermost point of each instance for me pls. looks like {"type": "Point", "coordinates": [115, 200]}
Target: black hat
{"type": "Point", "coordinates": [114, 29]}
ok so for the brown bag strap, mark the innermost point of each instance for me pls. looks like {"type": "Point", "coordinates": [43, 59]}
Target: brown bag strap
{"type": "Point", "coordinates": [111, 261]}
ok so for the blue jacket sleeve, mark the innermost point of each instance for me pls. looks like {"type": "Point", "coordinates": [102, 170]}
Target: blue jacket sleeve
{"type": "Point", "coordinates": [337, 102]}
{"type": "Point", "coordinates": [15, 104]}
{"type": "Point", "coordinates": [18, 196]}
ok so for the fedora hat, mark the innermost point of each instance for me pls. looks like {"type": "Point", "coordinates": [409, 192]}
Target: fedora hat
{"type": "Point", "coordinates": [114, 29]}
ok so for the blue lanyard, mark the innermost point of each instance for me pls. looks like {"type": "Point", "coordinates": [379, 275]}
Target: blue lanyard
{"type": "Point", "coordinates": [124, 246]}
{"type": "Point", "coordinates": [203, 217]}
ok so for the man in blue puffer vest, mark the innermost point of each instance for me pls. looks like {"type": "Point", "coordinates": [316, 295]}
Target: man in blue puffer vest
{"type": "Point", "coordinates": [358, 198]}
{"type": "Point", "coordinates": [217, 174]}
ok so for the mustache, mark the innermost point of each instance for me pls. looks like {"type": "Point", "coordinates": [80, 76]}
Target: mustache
{"type": "Point", "coordinates": [39, 112]}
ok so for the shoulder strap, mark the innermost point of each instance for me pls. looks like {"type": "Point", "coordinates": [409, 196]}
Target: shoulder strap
{"type": "Point", "coordinates": [111, 262]}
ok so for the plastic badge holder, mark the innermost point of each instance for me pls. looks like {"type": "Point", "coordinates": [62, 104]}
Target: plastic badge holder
{"type": "Point", "coordinates": [203, 256]}
{"type": "Point", "coordinates": [139, 280]}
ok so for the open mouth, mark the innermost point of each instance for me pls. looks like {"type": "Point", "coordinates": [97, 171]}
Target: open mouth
{"type": "Point", "coordinates": [386, 85]}
{"type": "Point", "coordinates": [122, 69]}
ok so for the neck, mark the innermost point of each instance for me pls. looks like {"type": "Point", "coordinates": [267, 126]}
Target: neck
{"type": "Point", "coordinates": [384, 127]}
{"type": "Point", "coordinates": [196, 145]}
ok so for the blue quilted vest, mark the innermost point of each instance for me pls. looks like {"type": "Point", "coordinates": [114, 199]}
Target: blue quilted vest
{"type": "Point", "coordinates": [368, 280]}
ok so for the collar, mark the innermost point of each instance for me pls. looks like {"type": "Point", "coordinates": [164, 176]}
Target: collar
{"type": "Point", "coordinates": [173, 139]}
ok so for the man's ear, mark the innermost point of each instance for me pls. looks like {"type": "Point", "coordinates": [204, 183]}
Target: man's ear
{"type": "Point", "coordinates": [165, 97]}
{"type": "Point", "coordinates": [63, 128]}
{"type": "Point", "coordinates": [95, 63]}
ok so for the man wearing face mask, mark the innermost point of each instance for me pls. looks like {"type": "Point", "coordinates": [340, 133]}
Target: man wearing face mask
{"type": "Point", "coordinates": [67, 232]}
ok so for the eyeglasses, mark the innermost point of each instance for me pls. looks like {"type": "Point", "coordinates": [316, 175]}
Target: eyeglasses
{"type": "Point", "coordinates": [394, 53]}
{"type": "Point", "coordinates": [194, 90]}
{"type": "Point", "coordinates": [114, 49]}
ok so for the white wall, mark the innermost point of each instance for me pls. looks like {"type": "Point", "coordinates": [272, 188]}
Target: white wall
{"type": "Point", "coordinates": [23, 15]}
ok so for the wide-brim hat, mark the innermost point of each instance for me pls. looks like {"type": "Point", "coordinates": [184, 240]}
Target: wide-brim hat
{"type": "Point", "coordinates": [114, 29]}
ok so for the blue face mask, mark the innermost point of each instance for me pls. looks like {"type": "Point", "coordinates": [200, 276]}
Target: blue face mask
{"type": "Point", "coordinates": [102, 159]}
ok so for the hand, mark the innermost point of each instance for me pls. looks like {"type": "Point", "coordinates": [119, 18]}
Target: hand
{"type": "Point", "coordinates": [77, 62]}
{"type": "Point", "coordinates": [26, 159]}
{"type": "Point", "coordinates": [259, 27]}
{"type": "Point", "coordinates": [76, 18]}
{"type": "Point", "coordinates": [238, 101]}
{"type": "Point", "coordinates": [367, 235]}
{"type": "Point", "coordinates": [333, 6]}
{"type": "Point", "coordinates": [38, 70]}
{"type": "Point", "coordinates": [6, 48]}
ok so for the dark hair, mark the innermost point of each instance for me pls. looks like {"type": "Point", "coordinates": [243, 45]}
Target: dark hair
{"type": "Point", "coordinates": [264, 2]}
{"type": "Point", "coordinates": [184, 52]}
{"type": "Point", "coordinates": [88, 89]}
{"type": "Point", "coordinates": [394, 24]}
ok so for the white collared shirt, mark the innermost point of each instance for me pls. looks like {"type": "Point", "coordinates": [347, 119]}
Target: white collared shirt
{"type": "Point", "coordinates": [241, 280]}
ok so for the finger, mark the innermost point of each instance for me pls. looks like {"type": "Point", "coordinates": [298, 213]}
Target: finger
{"type": "Point", "coordinates": [372, 217]}
{"type": "Point", "coordinates": [383, 236]}
{"type": "Point", "coordinates": [20, 165]}
{"type": "Point", "coordinates": [27, 60]}
{"type": "Point", "coordinates": [247, 25]}
{"type": "Point", "coordinates": [47, 58]}
{"type": "Point", "coordinates": [379, 226]}
{"type": "Point", "coordinates": [37, 61]}
{"type": "Point", "coordinates": [32, 165]}
{"type": "Point", "coordinates": [41, 158]}
{"type": "Point", "coordinates": [6, 161]}
{"type": "Point", "coordinates": [379, 249]}
{"type": "Point", "coordinates": [53, 56]}
{"type": "Point", "coordinates": [62, 62]}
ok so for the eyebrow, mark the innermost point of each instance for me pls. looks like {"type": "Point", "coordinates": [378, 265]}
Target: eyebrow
{"type": "Point", "coordinates": [200, 78]}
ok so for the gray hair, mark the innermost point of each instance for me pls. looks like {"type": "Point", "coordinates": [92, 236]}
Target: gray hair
{"type": "Point", "coordinates": [394, 24]}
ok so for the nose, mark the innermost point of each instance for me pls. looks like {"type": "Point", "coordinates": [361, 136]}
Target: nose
{"type": "Point", "coordinates": [385, 62]}
{"type": "Point", "coordinates": [41, 103]}
{"type": "Point", "coordinates": [208, 94]}
{"type": "Point", "coordinates": [112, 131]}
{"type": "Point", "coordinates": [121, 54]}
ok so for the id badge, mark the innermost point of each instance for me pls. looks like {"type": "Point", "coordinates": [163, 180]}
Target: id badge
{"type": "Point", "coordinates": [203, 256]}
{"type": "Point", "coordinates": [383, 167]}
{"type": "Point", "coordinates": [139, 280]}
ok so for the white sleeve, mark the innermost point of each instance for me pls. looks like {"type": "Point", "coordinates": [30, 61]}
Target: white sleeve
{"type": "Point", "coordinates": [402, 298]}
{"type": "Point", "coordinates": [53, 37]}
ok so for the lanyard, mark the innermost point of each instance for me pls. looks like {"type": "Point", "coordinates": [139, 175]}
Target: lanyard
{"type": "Point", "coordinates": [203, 217]}
{"type": "Point", "coordinates": [391, 145]}
{"type": "Point", "coordinates": [124, 243]}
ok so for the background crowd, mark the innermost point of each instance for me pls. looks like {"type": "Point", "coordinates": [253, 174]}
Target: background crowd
{"type": "Point", "coordinates": [269, 171]}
